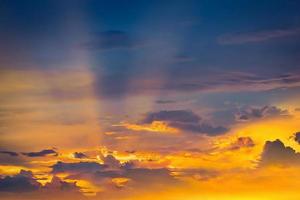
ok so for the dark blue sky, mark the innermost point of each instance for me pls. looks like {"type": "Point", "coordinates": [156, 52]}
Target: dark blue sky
{"type": "Point", "coordinates": [128, 40]}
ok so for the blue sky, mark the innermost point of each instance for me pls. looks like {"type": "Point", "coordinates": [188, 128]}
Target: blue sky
{"type": "Point", "coordinates": [119, 93]}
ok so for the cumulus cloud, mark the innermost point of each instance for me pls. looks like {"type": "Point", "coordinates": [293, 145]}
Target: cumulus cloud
{"type": "Point", "coordinates": [259, 36]}
{"type": "Point", "coordinates": [22, 182]}
{"type": "Point", "coordinates": [25, 186]}
{"type": "Point", "coordinates": [276, 153]}
{"type": "Point", "coordinates": [42, 153]}
{"type": "Point", "coordinates": [250, 113]}
{"type": "Point", "coordinates": [185, 120]}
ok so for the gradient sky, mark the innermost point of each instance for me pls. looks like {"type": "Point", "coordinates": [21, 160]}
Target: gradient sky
{"type": "Point", "coordinates": [125, 99]}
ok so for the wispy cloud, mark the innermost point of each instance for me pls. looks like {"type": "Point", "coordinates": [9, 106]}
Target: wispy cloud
{"type": "Point", "coordinates": [258, 36]}
{"type": "Point", "coordinates": [111, 39]}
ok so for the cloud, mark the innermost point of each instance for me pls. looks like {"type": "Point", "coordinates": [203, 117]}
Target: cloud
{"type": "Point", "coordinates": [165, 101]}
{"type": "Point", "coordinates": [259, 36]}
{"type": "Point", "coordinates": [185, 120]}
{"type": "Point", "coordinates": [242, 142]}
{"type": "Point", "coordinates": [112, 169]}
{"type": "Point", "coordinates": [136, 177]}
{"type": "Point", "coordinates": [42, 153]}
{"type": "Point", "coordinates": [79, 167]}
{"type": "Point", "coordinates": [155, 126]}
{"type": "Point", "coordinates": [184, 116]}
{"type": "Point", "coordinates": [111, 162]}
{"type": "Point", "coordinates": [12, 158]}
{"type": "Point", "coordinates": [22, 182]}
{"type": "Point", "coordinates": [111, 39]}
{"type": "Point", "coordinates": [297, 137]}
{"type": "Point", "coordinates": [11, 153]}
{"type": "Point", "coordinates": [250, 113]}
{"type": "Point", "coordinates": [26, 184]}
{"type": "Point", "coordinates": [276, 153]}
{"type": "Point", "coordinates": [58, 184]}
{"type": "Point", "coordinates": [114, 85]}
{"type": "Point", "coordinates": [79, 155]}
{"type": "Point", "coordinates": [233, 114]}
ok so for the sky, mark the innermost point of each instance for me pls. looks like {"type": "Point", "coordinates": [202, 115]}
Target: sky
{"type": "Point", "coordinates": [136, 100]}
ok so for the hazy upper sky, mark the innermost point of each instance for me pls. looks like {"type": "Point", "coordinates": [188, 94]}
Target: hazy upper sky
{"type": "Point", "coordinates": [172, 100]}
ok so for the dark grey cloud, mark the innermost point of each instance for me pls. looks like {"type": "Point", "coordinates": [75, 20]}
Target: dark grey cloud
{"type": "Point", "coordinates": [138, 176]}
{"type": "Point", "coordinates": [276, 153]}
{"type": "Point", "coordinates": [233, 114]}
{"type": "Point", "coordinates": [112, 168]}
{"type": "Point", "coordinates": [22, 182]}
{"type": "Point", "coordinates": [42, 153]}
{"type": "Point", "coordinates": [297, 137]}
{"type": "Point", "coordinates": [204, 128]}
{"type": "Point", "coordinates": [242, 142]}
{"type": "Point", "coordinates": [185, 120]}
{"type": "Point", "coordinates": [25, 182]}
{"type": "Point", "coordinates": [11, 153]}
{"type": "Point", "coordinates": [78, 167]}
{"type": "Point", "coordinates": [258, 36]}
{"type": "Point", "coordinates": [111, 39]}
{"type": "Point", "coordinates": [183, 116]}
{"type": "Point", "coordinates": [79, 155]}
{"type": "Point", "coordinates": [250, 113]}
{"type": "Point", "coordinates": [58, 184]}
{"type": "Point", "coordinates": [111, 162]}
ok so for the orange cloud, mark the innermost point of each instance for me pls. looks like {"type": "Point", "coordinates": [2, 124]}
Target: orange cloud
{"type": "Point", "coordinates": [155, 126]}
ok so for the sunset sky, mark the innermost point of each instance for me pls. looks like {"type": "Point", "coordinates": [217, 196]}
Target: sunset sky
{"type": "Point", "coordinates": [146, 99]}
